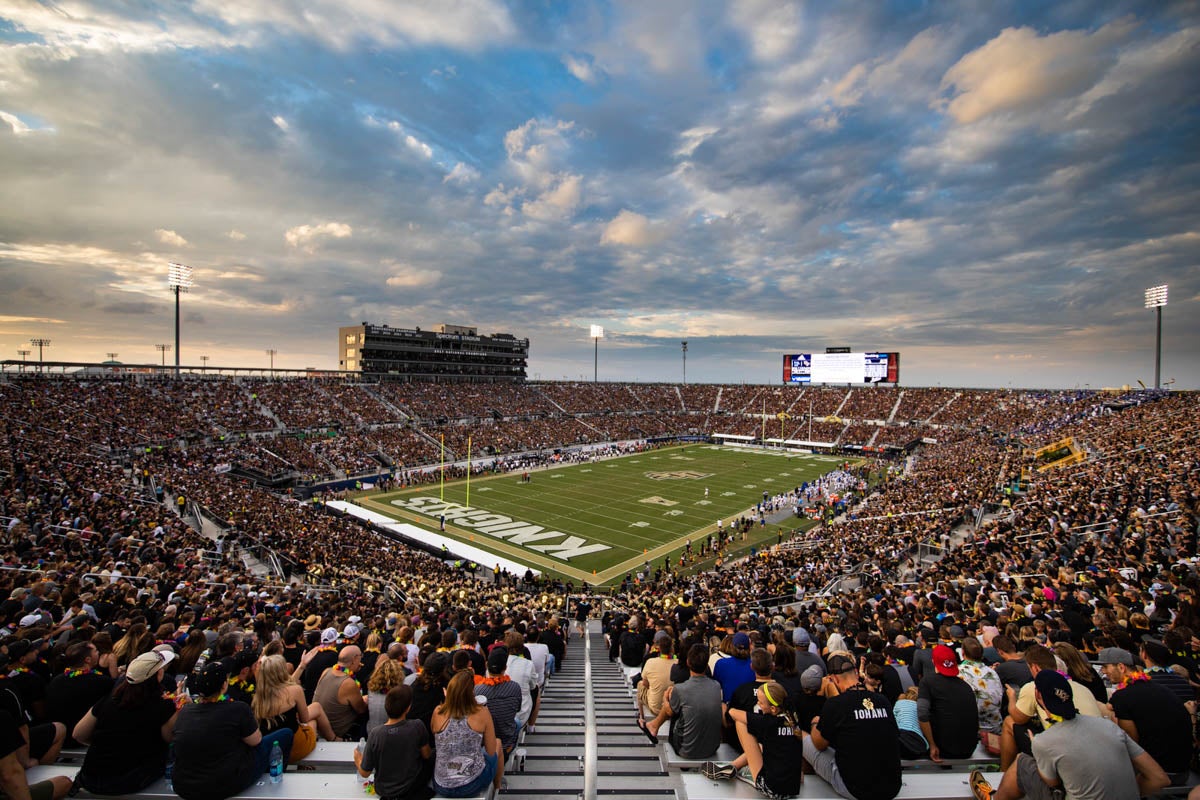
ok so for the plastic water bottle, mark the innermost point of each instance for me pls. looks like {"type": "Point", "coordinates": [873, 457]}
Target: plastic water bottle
{"type": "Point", "coordinates": [276, 763]}
{"type": "Point", "coordinates": [169, 772]}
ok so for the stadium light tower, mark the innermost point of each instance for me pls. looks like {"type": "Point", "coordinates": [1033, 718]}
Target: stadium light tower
{"type": "Point", "coordinates": [204, 361]}
{"type": "Point", "coordinates": [179, 279]}
{"type": "Point", "coordinates": [272, 353]}
{"type": "Point", "coordinates": [1156, 298]}
{"type": "Point", "coordinates": [164, 349]}
{"type": "Point", "coordinates": [23, 354]}
{"type": "Point", "coordinates": [40, 344]}
{"type": "Point", "coordinates": [597, 335]}
{"type": "Point", "coordinates": [684, 344]}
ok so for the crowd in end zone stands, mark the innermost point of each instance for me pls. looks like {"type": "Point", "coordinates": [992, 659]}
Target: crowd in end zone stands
{"type": "Point", "coordinates": [111, 594]}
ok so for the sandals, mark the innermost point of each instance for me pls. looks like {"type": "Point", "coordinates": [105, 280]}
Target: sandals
{"type": "Point", "coordinates": [646, 731]}
{"type": "Point", "coordinates": [980, 788]}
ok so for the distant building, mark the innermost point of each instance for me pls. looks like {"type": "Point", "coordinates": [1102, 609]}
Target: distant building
{"type": "Point", "coordinates": [446, 353]}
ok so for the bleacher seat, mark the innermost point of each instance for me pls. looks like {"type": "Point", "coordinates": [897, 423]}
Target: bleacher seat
{"type": "Point", "coordinates": [917, 786]}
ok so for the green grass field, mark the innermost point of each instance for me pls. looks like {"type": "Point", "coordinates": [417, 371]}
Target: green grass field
{"type": "Point", "coordinates": [597, 521]}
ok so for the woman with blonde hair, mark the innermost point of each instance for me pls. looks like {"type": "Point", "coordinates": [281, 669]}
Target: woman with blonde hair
{"type": "Point", "coordinates": [387, 675]}
{"type": "Point", "coordinates": [279, 703]}
{"type": "Point", "coordinates": [136, 641]}
{"type": "Point", "coordinates": [468, 752]}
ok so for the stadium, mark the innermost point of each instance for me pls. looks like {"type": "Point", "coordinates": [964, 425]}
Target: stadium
{"type": "Point", "coordinates": [238, 505]}
{"type": "Point", "coordinates": [731, 400]}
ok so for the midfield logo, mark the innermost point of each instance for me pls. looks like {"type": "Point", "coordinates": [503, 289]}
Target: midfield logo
{"type": "Point", "coordinates": [678, 475]}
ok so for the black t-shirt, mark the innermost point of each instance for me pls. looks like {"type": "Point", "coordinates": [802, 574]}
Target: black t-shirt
{"type": "Point", "coordinates": [805, 706]}
{"type": "Point", "coordinates": [211, 760]}
{"type": "Point", "coordinates": [633, 649]}
{"type": "Point", "coordinates": [744, 697]}
{"type": "Point", "coordinates": [783, 751]}
{"type": "Point", "coordinates": [1163, 725]}
{"type": "Point", "coordinates": [861, 728]}
{"type": "Point", "coordinates": [69, 698]}
{"type": "Point", "coordinates": [126, 738]}
{"type": "Point", "coordinates": [424, 701]}
{"type": "Point", "coordinates": [393, 752]}
{"type": "Point", "coordinates": [953, 714]}
{"type": "Point", "coordinates": [11, 739]}
{"type": "Point", "coordinates": [315, 669]}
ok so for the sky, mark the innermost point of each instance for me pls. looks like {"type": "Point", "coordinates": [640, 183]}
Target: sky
{"type": "Point", "coordinates": [986, 187]}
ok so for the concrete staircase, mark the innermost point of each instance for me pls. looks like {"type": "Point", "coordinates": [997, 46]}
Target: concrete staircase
{"type": "Point", "coordinates": [586, 744]}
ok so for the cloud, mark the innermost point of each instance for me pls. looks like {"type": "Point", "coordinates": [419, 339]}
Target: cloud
{"type": "Point", "coordinates": [14, 122]}
{"type": "Point", "coordinates": [280, 123]}
{"type": "Point", "coordinates": [632, 229]}
{"type": "Point", "coordinates": [236, 235]}
{"type": "Point", "coordinates": [170, 237]}
{"type": "Point", "coordinates": [462, 173]}
{"type": "Point", "coordinates": [419, 147]}
{"type": "Point", "coordinates": [132, 308]}
{"type": "Point", "coordinates": [195, 318]}
{"type": "Point", "coordinates": [9, 319]}
{"type": "Point", "coordinates": [581, 67]}
{"type": "Point", "coordinates": [412, 278]}
{"type": "Point", "coordinates": [306, 237]}
{"type": "Point", "coordinates": [1019, 70]}
{"type": "Point", "coordinates": [557, 202]}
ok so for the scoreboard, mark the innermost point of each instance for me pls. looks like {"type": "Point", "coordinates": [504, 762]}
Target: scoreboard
{"type": "Point", "coordinates": [841, 368]}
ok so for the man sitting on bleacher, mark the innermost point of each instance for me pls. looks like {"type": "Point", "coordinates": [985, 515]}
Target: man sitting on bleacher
{"type": "Point", "coordinates": [855, 744]}
{"type": "Point", "coordinates": [1088, 758]}
{"type": "Point", "coordinates": [694, 708]}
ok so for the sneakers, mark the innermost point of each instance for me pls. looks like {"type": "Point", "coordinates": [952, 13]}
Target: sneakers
{"type": "Point", "coordinates": [767, 791]}
{"type": "Point", "coordinates": [980, 788]}
{"type": "Point", "coordinates": [717, 772]}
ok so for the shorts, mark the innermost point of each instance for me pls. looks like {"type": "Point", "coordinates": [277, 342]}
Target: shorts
{"type": "Point", "coordinates": [477, 786]}
{"type": "Point", "coordinates": [303, 742]}
{"type": "Point", "coordinates": [42, 790]}
{"type": "Point", "coordinates": [1030, 782]}
{"type": "Point", "coordinates": [41, 739]}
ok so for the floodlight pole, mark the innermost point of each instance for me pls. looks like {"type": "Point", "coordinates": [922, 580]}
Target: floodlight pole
{"type": "Point", "coordinates": [597, 334]}
{"type": "Point", "coordinates": [272, 353]}
{"type": "Point", "coordinates": [204, 360]}
{"type": "Point", "coordinates": [22, 354]}
{"type": "Point", "coordinates": [164, 349]}
{"type": "Point", "coordinates": [40, 343]}
{"type": "Point", "coordinates": [179, 279]}
{"type": "Point", "coordinates": [684, 344]}
{"type": "Point", "coordinates": [1156, 298]}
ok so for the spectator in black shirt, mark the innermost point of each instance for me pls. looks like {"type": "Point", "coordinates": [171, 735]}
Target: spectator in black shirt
{"type": "Point", "coordinates": [80, 686]}
{"type": "Point", "coordinates": [13, 783]}
{"type": "Point", "coordinates": [946, 708]}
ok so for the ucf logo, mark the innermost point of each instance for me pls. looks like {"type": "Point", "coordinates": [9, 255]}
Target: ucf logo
{"type": "Point", "coordinates": [678, 475]}
{"type": "Point", "coordinates": [867, 704]}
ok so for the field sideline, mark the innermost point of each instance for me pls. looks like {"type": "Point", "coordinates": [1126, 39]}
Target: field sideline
{"type": "Point", "coordinates": [597, 521]}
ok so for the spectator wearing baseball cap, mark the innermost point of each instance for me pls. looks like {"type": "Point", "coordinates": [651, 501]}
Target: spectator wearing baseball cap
{"type": "Point", "coordinates": [219, 750]}
{"type": "Point", "coordinates": [1150, 713]}
{"type": "Point", "coordinates": [503, 697]}
{"type": "Point", "coordinates": [1078, 755]}
{"type": "Point", "coordinates": [946, 708]}
{"type": "Point", "coordinates": [314, 662]}
{"type": "Point", "coordinates": [126, 731]}
{"type": "Point", "coordinates": [734, 671]}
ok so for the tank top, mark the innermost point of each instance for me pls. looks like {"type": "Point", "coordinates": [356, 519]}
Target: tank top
{"type": "Point", "coordinates": [289, 719]}
{"type": "Point", "coordinates": [460, 757]}
{"type": "Point", "coordinates": [341, 715]}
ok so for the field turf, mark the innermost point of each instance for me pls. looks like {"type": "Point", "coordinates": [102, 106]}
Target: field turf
{"type": "Point", "coordinates": [639, 507]}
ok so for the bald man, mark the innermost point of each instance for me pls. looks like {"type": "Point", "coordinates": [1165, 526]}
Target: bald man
{"type": "Point", "coordinates": [340, 695]}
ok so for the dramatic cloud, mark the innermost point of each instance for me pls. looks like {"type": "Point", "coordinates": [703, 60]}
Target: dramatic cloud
{"type": "Point", "coordinates": [987, 190]}
{"type": "Point", "coordinates": [632, 229]}
{"type": "Point", "coordinates": [306, 237]}
{"type": "Point", "coordinates": [170, 238]}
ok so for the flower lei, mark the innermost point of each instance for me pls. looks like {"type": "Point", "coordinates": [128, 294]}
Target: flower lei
{"type": "Point", "coordinates": [222, 698]}
{"type": "Point", "coordinates": [19, 671]}
{"type": "Point", "coordinates": [75, 673]}
{"type": "Point", "coordinates": [328, 648]}
{"type": "Point", "coordinates": [491, 680]}
{"type": "Point", "coordinates": [245, 686]}
{"type": "Point", "coordinates": [338, 669]}
{"type": "Point", "coordinates": [1131, 678]}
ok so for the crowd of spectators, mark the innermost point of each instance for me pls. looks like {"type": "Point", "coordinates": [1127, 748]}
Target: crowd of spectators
{"type": "Point", "coordinates": [1097, 555]}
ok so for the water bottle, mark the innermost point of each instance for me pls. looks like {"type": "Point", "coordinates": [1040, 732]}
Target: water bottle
{"type": "Point", "coordinates": [276, 763]}
{"type": "Point", "coordinates": [169, 772]}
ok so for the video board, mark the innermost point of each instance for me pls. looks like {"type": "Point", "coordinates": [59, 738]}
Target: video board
{"type": "Point", "coordinates": [841, 368]}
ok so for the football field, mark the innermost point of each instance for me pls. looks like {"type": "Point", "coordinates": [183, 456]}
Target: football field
{"type": "Point", "coordinates": [595, 522]}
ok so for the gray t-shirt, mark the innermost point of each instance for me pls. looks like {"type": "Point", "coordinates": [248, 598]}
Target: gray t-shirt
{"type": "Point", "coordinates": [1091, 756]}
{"type": "Point", "coordinates": [393, 752]}
{"type": "Point", "coordinates": [696, 717]}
